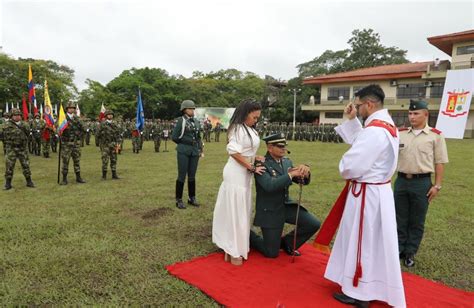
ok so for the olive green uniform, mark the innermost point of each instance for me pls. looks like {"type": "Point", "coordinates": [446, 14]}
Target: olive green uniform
{"type": "Point", "coordinates": [109, 140]}
{"type": "Point", "coordinates": [186, 134]}
{"type": "Point", "coordinates": [71, 147]}
{"type": "Point", "coordinates": [418, 155]}
{"type": "Point", "coordinates": [274, 208]}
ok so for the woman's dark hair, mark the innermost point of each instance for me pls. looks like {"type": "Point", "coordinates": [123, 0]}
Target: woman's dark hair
{"type": "Point", "coordinates": [241, 112]}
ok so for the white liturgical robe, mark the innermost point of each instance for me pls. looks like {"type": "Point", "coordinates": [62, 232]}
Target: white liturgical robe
{"type": "Point", "coordinates": [372, 159]}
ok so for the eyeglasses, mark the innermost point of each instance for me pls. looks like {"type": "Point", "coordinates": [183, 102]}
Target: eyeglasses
{"type": "Point", "coordinates": [357, 106]}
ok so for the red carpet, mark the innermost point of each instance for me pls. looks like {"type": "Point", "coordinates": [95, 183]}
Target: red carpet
{"type": "Point", "coordinates": [262, 282]}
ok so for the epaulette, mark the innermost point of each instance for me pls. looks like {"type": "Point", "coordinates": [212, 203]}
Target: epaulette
{"type": "Point", "coordinates": [436, 131]}
{"type": "Point", "coordinates": [402, 129]}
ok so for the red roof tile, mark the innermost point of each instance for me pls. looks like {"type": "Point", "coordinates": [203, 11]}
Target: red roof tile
{"type": "Point", "coordinates": [445, 42]}
{"type": "Point", "coordinates": [407, 70]}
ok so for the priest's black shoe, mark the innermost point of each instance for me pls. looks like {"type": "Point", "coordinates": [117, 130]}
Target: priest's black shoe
{"type": "Point", "coordinates": [193, 201]}
{"type": "Point", "coordinates": [341, 297]}
{"type": "Point", "coordinates": [409, 261]}
{"type": "Point", "coordinates": [288, 249]}
{"type": "Point", "coordinates": [179, 204]}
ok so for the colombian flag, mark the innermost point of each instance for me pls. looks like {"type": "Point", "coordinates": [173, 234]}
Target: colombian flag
{"type": "Point", "coordinates": [31, 90]}
{"type": "Point", "coordinates": [63, 123]}
{"type": "Point", "coordinates": [48, 108]}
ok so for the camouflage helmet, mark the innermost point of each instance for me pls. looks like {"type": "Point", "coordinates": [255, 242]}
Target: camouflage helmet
{"type": "Point", "coordinates": [108, 111]}
{"type": "Point", "coordinates": [15, 111]}
{"type": "Point", "coordinates": [187, 104]}
{"type": "Point", "coordinates": [6, 115]}
{"type": "Point", "coordinates": [70, 105]}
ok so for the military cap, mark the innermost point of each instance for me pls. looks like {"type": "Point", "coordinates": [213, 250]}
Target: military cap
{"type": "Point", "coordinates": [71, 105]}
{"type": "Point", "coordinates": [187, 104]}
{"type": "Point", "coordinates": [15, 111]}
{"type": "Point", "coordinates": [276, 139]}
{"type": "Point", "coordinates": [6, 114]}
{"type": "Point", "coordinates": [417, 105]}
{"type": "Point", "coordinates": [108, 111]}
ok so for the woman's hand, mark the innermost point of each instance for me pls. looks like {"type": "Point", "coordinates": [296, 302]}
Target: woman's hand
{"type": "Point", "coordinates": [260, 170]}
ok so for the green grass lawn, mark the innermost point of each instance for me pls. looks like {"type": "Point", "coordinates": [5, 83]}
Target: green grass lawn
{"type": "Point", "coordinates": [107, 242]}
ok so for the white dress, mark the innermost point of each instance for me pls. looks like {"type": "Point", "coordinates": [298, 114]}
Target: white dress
{"type": "Point", "coordinates": [372, 158]}
{"type": "Point", "coordinates": [233, 210]}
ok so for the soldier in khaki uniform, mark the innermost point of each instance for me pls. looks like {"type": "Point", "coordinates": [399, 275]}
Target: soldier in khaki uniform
{"type": "Point", "coordinates": [422, 152]}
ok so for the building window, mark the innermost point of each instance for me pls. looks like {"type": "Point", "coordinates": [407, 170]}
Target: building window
{"type": "Point", "coordinates": [334, 93]}
{"type": "Point", "coordinates": [413, 90]}
{"type": "Point", "coordinates": [465, 50]}
{"type": "Point", "coordinates": [400, 119]}
{"type": "Point", "coordinates": [437, 89]}
{"type": "Point", "coordinates": [333, 115]}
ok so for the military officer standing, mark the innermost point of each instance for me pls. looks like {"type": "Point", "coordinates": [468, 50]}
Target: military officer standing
{"type": "Point", "coordinates": [109, 139]}
{"type": "Point", "coordinates": [274, 207]}
{"type": "Point", "coordinates": [16, 142]}
{"type": "Point", "coordinates": [70, 144]}
{"type": "Point", "coordinates": [36, 131]}
{"type": "Point", "coordinates": [217, 131]}
{"type": "Point", "coordinates": [422, 152]}
{"type": "Point", "coordinates": [189, 147]}
{"type": "Point", "coordinates": [5, 120]}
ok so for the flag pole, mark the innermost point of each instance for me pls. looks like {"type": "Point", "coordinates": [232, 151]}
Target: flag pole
{"type": "Point", "coordinates": [59, 158]}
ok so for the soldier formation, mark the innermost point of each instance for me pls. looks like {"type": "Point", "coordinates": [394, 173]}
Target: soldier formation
{"type": "Point", "coordinates": [35, 137]}
{"type": "Point", "coordinates": [302, 131]}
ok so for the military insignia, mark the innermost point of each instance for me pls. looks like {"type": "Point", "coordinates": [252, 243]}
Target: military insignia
{"type": "Point", "coordinates": [274, 172]}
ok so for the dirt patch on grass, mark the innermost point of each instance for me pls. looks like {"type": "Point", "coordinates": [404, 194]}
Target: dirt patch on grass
{"type": "Point", "coordinates": [157, 213]}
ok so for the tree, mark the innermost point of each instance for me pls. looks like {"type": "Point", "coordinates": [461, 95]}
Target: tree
{"type": "Point", "coordinates": [365, 51]}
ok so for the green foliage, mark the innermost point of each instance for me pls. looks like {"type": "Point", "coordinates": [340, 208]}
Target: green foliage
{"type": "Point", "coordinates": [106, 243]}
{"type": "Point", "coordinates": [14, 80]}
{"type": "Point", "coordinates": [365, 51]}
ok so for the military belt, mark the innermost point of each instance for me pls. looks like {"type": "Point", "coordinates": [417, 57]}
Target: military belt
{"type": "Point", "coordinates": [189, 142]}
{"type": "Point", "coordinates": [413, 176]}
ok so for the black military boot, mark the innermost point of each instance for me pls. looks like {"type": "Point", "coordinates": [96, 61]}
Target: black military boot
{"type": "Point", "coordinates": [192, 193]}
{"type": "Point", "coordinates": [64, 181]}
{"type": "Point", "coordinates": [29, 182]}
{"type": "Point", "coordinates": [179, 195]}
{"type": "Point", "coordinates": [79, 179]}
{"type": "Point", "coordinates": [104, 175]}
{"type": "Point", "coordinates": [114, 175]}
{"type": "Point", "coordinates": [8, 184]}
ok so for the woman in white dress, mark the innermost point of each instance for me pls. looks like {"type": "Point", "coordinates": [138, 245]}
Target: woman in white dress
{"type": "Point", "coordinates": [233, 210]}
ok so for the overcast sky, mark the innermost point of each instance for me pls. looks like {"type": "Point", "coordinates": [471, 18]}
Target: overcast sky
{"type": "Point", "coordinates": [99, 39]}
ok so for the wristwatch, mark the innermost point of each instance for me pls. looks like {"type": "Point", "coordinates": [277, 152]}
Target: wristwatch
{"type": "Point", "coordinates": [438, 187]}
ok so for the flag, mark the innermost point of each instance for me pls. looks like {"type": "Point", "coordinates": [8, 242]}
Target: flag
{"type": "Point", "coordinates": [78, 111]}
{"type": "Point", "coordinates": [63, 123]}
{"type": "Point", "coordinates": [41, 110]}
{"type": "Point", "coordinates": [6, 108]}
{"type": "Point", "coordinates": [17, 106]}
{"type": "Point", "coordinates": [102, 112]}
{"type": "Point", "coordinates": [48, 108]}
{"type": "Point", "coordinates": [140, 115]}
{"type": "Point", "coordinates": [31, 90]}
{"type": "Point", "coordinates": [25, 109]}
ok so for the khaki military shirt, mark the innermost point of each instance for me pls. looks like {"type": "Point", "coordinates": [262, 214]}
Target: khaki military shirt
{"type": "Point", "coordinates": [419, 154]}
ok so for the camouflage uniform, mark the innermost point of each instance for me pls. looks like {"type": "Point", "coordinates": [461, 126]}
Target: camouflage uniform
{"type": "Point", "coordinates": [36, 137]}
{"type": "Point", "coordinates": [16, 141]}
{"type": "Point", "coordinates": [136, 140]}
{"type": "Point", "coordinates": [70, 145]}
{"type": "Point", "coordinates": [156, 135]}
{"type": "Point", "coordinates": [2, 126]}
{"type": "Point", "coordinates": [109, 139]}
{"type": "Point", "coordinates": [46, 134]}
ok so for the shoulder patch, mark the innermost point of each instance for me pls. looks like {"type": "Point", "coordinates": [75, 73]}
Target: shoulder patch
{"type": "Point", "coordinates": [402, 129]}
{"type": "Point", "coordinates": [436, 131]}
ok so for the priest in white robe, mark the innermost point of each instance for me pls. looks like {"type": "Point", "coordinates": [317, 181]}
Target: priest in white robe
{"type": "Point", "coordinates": [364, 260]}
